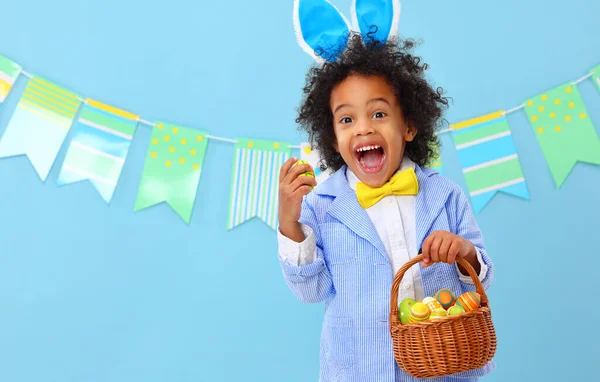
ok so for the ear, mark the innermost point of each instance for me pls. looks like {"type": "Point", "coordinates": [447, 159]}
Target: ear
{"type": "Point", "coordinates": [322, 31]}
{"type": "Point", "coordinates": [410, 133]}
{"type": "Point", "coordinates": [383, 14]}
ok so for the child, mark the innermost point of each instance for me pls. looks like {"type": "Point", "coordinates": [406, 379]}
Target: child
{"type": "Point", "coordinates": [373, 117]}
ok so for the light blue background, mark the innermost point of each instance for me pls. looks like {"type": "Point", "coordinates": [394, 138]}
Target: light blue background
{"type": "Point", "coordinates": [96, 293]}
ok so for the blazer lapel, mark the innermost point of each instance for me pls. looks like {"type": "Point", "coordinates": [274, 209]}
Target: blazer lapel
{"type": "Point", "coordinates": [347, 210]}
{"type": "Point", "coordinates": [432, 196]}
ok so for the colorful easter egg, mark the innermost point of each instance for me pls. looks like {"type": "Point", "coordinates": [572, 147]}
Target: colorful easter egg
{"type": "Point", "coordinates": [404, 309]}
{"type": "Point", "coordinates": [469, 301]}
{"type": "Point", "coordinates": [445, 297]}
{"type": "Point", "coordinates": [418, 312]}
{"type": "Point", "coordinates": [432, 304]}
{"type": "Point", "coordinates": [455, 310]}
{"type": "Point", "coordinates": [438, 314]}
{"type": "Point", "coordinates": [306, 173]}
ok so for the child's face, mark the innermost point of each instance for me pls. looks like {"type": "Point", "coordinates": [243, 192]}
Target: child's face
{"type": "Point", "coordinates": [370, 129]}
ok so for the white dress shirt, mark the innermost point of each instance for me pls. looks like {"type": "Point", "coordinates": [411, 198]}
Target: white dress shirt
{"type": "Point", "coordinates": [394, 220]}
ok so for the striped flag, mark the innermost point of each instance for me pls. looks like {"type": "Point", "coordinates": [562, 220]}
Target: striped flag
{"type": "Point", "coordinates": [563, 130]}
{"type": "Point", "coordinates": [172, 169]}
{"type": "Point", "coordinates": [596, 76]}
{"type": "Point", "coordinates": [254, 185]}
{"type": "Point", "coordinates": [489, 158]}
{"type": "Point", "coordinates": [99, 147]}
{"type": "Point", "coordinates": [313, 157]}
{"type": "Point", "coordinates": [9, 71]}
{"type": "Point", "coordinates": [40, 124]}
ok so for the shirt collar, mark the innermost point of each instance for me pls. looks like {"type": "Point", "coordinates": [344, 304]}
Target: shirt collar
{"type": "Point", "coordinates": [353, 179]}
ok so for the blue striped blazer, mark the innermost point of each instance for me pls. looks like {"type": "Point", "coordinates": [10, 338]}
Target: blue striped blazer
{"type": "Point", "coordinates": [353, 275]}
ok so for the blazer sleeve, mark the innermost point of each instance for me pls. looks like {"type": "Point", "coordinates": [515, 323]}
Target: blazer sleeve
{"type": "Point", "coordinates": [304, 268]}
{"type": "Point", "coordinates": [467, 227]}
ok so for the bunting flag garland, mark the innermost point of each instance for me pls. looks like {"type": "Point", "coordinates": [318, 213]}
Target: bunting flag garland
{"type": "Point", "coordinates": [564, 130]}
{"type": "Point", "coordinates": [172, 169]}
{"type": "Point", "coordinates": [489, 158]}
{"type": "Point", "coordinates": [596, 76]}
{"type": "Point", "coordinates": [313, 157]}
{"type": "Point", "coordinates": [99, 147]}
{"type": "Point", "coordinates": [40, 124]}
{"type": "Point", "coordinates": [175, 155]}
{"type": "Point", "coordinates": [255, 181]}
{"type": "Point", "coordinates": [9, 71]}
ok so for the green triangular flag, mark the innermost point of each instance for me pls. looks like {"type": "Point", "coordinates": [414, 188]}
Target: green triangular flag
{"type": "Point", "coordinates": [596, 76]}
{"type": "Point", "coordinates": [564, 130]}
{"type": "Point", "coordinates": [172, 169]}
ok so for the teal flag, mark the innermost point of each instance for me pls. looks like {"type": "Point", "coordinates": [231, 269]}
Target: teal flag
{"type": "Point", "coordinates": [489, 158]}
{"type": "Point", "coordinates": [255, 179]}
{"type": "Point", "coordinates": [172, 169]}
{"type": "Point", "coordinates": [99, 146]}
{"type": "Point", "coordinates": [564, 130]}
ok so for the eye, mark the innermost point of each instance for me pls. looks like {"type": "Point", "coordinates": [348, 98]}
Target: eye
{"type": "Point", "coordinates": [346, 120]}
{"type": "Point", "coordinates": [379, 114]}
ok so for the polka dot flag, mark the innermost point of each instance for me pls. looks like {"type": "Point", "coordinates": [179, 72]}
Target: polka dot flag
{"type": "Point", "coordinates": [172, 169]}
{"type": "Point", "coordinates": [563, 129]}
{"type": "Point", "coordinates": [255, 181]}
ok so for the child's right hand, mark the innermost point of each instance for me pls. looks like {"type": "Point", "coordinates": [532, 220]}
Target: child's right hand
{"type": "Point", "coordinates": [292, 188]}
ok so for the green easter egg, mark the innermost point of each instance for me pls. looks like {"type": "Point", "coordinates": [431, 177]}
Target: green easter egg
{"type": "Point", "coordinates": [404, 309]}
{"type": "Point", "coordinates": [306, 173]}
{"type": "Point", "coordinates": [456, 310]}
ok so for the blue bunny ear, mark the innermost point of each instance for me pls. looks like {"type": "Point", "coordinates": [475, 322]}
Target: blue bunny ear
{"type": "Point", "coordinates": [383, 14]}
{"type": "Point", "coordinates": [322, 31]}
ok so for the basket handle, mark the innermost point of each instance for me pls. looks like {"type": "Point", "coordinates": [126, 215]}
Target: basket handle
{"type": "Point", "coordinates": [398, 278]}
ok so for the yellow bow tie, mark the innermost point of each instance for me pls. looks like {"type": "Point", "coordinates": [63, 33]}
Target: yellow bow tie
{"type": "Point", "coordinates": [403, 183]}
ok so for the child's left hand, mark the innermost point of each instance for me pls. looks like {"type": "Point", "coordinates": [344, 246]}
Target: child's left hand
{"type": "Point", "coordinates": [443, 246]}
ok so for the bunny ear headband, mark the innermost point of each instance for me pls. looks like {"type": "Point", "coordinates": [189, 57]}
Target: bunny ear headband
{"type": "Point", "coordinates": [323, 31]}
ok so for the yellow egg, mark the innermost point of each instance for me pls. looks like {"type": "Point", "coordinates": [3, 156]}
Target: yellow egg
{"type": "Point", "coordinates": [306, 173]}
{"type": "Point", "coordinates": [438, 314]}
{"type": "Point", "coordinates": [418, 312]}
{"type": "Point", "coordinates": [432, 304]}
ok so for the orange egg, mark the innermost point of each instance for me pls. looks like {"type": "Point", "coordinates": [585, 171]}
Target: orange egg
{"type": "Point", "coordinates": [445, 297]}
{"type": "Point", "coordinates": [469, 301]}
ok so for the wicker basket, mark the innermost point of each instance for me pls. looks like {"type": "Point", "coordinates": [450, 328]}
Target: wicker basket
{"type": "Point", "coordinates": [447, 346]}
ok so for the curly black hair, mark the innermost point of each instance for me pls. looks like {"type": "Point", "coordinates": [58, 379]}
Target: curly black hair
{"type": "Point", "coordinates": [421, 104]}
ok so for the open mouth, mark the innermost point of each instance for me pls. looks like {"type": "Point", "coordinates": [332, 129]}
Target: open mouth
{"type": "Point", "coordinates": [370, 158]}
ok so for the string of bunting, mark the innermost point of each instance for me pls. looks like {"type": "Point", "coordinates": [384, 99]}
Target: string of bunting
{"type": "Point", "coordinates": [102, 135]}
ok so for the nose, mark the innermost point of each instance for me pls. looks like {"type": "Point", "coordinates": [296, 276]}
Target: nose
{"type": "Point", "coordinates": [363, 127]}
